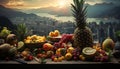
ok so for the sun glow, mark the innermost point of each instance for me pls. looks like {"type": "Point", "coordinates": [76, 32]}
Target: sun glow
{"type": "Point", "coordinates": [63, 3]}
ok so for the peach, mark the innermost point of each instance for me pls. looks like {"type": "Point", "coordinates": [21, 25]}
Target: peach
{"type": "Point", "coordinates": [47, 46]}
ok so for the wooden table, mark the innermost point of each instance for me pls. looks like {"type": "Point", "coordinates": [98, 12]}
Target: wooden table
{"type": "Point", "coordinates": [113, 61]}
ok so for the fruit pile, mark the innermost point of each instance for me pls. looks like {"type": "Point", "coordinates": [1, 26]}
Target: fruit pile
{"type": "Point", "coordinates": [54, 36]}
{"type": "Point", "coordinates": [35, 39]}
{"type": "Point", "coordinates": [65, 41]}
{"type": "Point", "coordinates": [4, 32]}
{"type": "Point", "coordinates": [64, 49]}
{"type": "Point", "coordinates": [54, 33]}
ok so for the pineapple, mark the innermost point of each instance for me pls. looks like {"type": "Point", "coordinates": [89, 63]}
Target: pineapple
{"type": "Point", "coordinates": [21, 31]}
{"type": "Point", "coordinates": [82, 34]}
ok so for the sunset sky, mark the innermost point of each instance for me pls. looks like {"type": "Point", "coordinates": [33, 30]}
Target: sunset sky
{"type": "Point", "coordinates": [30, 4]}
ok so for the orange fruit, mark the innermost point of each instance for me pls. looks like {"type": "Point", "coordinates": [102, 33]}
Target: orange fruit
{"type": "Point", "coordinates": [55, 59]}
{"type": "Point", "coordinates": [56, 33]}
{"type": "Point", "coordinates": [24, 53]}
{"type": "Point", "coordinates": [60, 59]}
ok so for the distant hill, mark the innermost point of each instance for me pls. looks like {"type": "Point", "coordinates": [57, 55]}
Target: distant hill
{"type": "Point", "coordinates": [94, 11]}
{"type": "Point", "coordinates": [12, 13]}
{"type": "Point", "coordinates": [113, 12]}
{"type": "Point", "coordinates": [6, 14]}
{"type": "Point", "coordinates": [5, 22]}
{"type": "Point", "coordinates": [97, 10]}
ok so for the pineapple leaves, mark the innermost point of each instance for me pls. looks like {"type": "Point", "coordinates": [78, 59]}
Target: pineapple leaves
{"type": "Point", "coordinates": [79, 13]}
{"type": "Point", "coordinates": [21, 31]}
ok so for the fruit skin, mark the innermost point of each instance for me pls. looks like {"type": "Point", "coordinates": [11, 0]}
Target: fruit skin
{"type": "Point", "coordinates": [28, 58]}
{"type": "Point", "coordinates": [63, 57]}
{"type": "Point", "coordinates": [47, 46]}
{"type": "Point", "coordinates": [39, 55]}
{"type": "Point", "coordinates": [59, 59]}
{"type": "Point", "coordinates": [35, 39]}
{"type": "Point", "coordinates": [5, 32]}
{"type": "Point", "coordinates": [11, 39]}
{"type": "Point", "coordinates": [81, 57]}
{"type": "Point", "coordinates": [70, 50]}
{"type": "Point", "coordinates": [68, 56]}
{"type": "Point", "coordinates": [52, 57]}
{"type": "Point", "coordinates": [58, 51]}
{"type": "Point", "coordinates": [54, 33]}
{"type": "Point", "coordinates": [49, 53]}
{"type": "Point", "coordinates": [108, 44]}
{"type": "Point", "coordinates": [61, 51]}
{"type": "Point", "coordinates": [6, 50]}
{"type": "Point", "coordinates": [24, 53]}
{"type": "Point", "coordinates": [55, 59]}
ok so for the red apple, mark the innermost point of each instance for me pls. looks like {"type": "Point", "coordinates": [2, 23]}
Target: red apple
{"type": "Point", "coordinates": [39, 55]}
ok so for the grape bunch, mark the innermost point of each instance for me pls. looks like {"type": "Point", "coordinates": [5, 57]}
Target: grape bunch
{"type": "Point", "coordinates": [4, 32]}
{"type": "Point", "coordinates": [76, 54]}
{"type": "Point", "coordinates": [66, 39]}
{"type": "Point", "coordinates": [102, 57]}
{"type": "Point", "coordinates": [56, 45]}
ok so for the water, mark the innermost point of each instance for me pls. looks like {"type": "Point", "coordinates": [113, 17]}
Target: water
{"type": "Point", "coordinates": [71, 18]}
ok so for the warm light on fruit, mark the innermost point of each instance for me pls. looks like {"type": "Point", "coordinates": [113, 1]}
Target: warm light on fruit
{"type": "Point", "coordinates": [47, 46]}
{"type": "Point", "coordinates": [54, 33]}
{"type": "Point", "coordinates": [35, 39]}
{"type": "Point", "coordinates": [70, 49]}
{"type": "Point", "coordinates": [68, 56]}
{"type": "Point", "coordinates": [108, 44]}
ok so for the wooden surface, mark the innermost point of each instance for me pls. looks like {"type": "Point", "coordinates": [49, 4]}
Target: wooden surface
{"type": "Point", "coordinates": [113, 61]}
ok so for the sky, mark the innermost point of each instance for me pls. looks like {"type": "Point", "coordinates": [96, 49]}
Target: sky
{"type": "Point", "coordinates": [32, 4]}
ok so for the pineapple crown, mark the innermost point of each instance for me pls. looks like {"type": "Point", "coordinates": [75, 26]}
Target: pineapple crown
{"type": "Point", "coordinates": [79, 13]}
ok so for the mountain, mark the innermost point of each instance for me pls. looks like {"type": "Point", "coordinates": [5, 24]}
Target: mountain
{"type": "Point", "coordinates": [5, 22]}
{"type": "Point", "coordinates": [93, 11]}
{"type": "Point", "coordinates": [5, 17]}
{"type": "Point", "coordinates": [12, 13]}
{"type": "Point", "coordinates": [98, 9]}
{"type": "Point", "coordinates": [113, 12]}
{"type": "Point", "coordinates": [66, 11]}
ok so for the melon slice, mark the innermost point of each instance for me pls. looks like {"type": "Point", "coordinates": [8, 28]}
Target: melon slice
{"type": "Point", "coordinates": [89, 53]}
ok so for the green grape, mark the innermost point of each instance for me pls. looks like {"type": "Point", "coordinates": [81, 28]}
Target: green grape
{"type": "Point", "coordinates": [5, 32]}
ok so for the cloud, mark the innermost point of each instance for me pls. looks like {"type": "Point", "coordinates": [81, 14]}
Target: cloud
{"type": "Point", "coordinates": [2, 2]}
{"type": "Point", "coordinates": [47, 3]}
{"type": "Point", "coordinates": [117, 2]}
{"type": "Point", "coordinates": [10, 3]}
